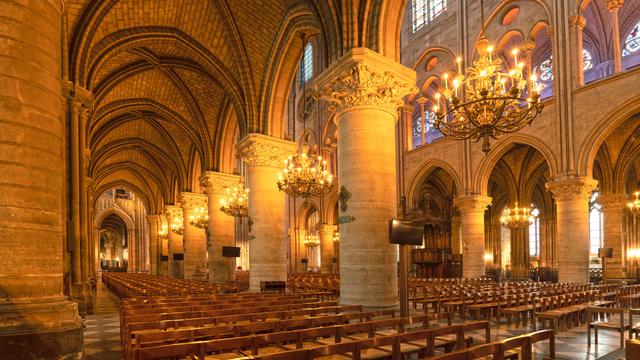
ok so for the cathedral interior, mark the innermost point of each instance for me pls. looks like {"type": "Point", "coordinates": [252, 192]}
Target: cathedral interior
{"type": "Point", "coordinates": [320, 179]}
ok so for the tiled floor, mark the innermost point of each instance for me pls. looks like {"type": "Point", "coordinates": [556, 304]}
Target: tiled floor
{"type": "Point", "coordinates": [102, 335]}
{"type": "Point", "coordinates": [102, 329]}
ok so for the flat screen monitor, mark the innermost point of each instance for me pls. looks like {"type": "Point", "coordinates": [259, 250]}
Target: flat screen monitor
{"type": "Point", "coordinates": [403, 232]}
{"type": "Point", "coordinates": [230, 251]}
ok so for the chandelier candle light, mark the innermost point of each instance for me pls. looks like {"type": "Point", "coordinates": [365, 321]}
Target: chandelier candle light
{"type": "Point", "coordinates": [305, 176]}
{"type": "Point", "coordinates": [177, 226]}
{"type": "Point", "coordinates": [200, 219]}
{"type": "Point", "coordinates": [311, 240]}
{"type": "Point", "coordinates": [236, 202]}
{"type": "Point", "coordinates": [517, 217]}
{"type": "Point", "coordinates": [634, 205]}
{"type": "Point", "coordinates": [485, 102]}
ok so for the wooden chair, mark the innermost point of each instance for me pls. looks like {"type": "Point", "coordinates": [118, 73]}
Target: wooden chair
{"type": "Point", "coordinates": [602, 323]}
{"type": "Point", "coordinates": [634, 328]}
{"type": "Point", "coordinates": [545, 335]}
{"type": "Point", "coordinates": [633, 349]}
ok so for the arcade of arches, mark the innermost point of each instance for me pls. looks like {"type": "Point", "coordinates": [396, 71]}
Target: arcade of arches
{"type": "Point", "coordinates": [121, 120]}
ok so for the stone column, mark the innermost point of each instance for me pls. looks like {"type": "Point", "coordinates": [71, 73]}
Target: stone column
{"type": "Point", "coordinates": [456, 242]}
{"type": "Point", "coordinates": [407, 135]}
{"type": "Point", "coordinates": [221, 226]}
{"type": "Point", "coordinates": [163, 267]}
{"type": "Point", "coordinates": [264, 156]}
{"type": "Point", "coordinates": [366, 89]}
{"type": "Point", "coordinates": [472, 208]}
{"type": "Point", "coordinates": [572, 227]}
{"type": "Point", "coordinates": [614, 8]}
{"type": "Point", "coordinates": [155, 224]}
{"type": "Point", "coordinates": [195, 239]}
{"type": "Point", "coordinates": [613, 206]}
{"type": "Point", "coordinates": [175, 242]}
{"type": "Point", "coordinates": [577, 24]}
{"type": "Point", "coordinates": [36, 320]}
{"type": "Point", "coordinates": [325, 233]}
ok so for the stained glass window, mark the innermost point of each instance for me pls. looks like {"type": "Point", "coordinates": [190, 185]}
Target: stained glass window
{"type": "Point", "coordinates": [545, 69]}
{"type": "Point", "coordinates": [307, 63]}
{"type": "Point", "coordinates": [632, 44]}
{"type": "Point", "coordinates": [424, 11]}
{"type": "Point", "coordinates": [534, 234]}
{"type": "Point", "coordinates": [595, 225]}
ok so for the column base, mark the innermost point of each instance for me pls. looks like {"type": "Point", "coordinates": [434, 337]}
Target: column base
{"type": "Point", "coordinates": [41, 330]}
{"type": "Point", "coordinates": [80, 294]}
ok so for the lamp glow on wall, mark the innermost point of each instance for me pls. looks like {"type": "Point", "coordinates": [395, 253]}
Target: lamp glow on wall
{"type": "Point", "coordinates": [336, 237]}
{"type": "Point", "coordinates": [163, 232]}
{"type": "Point", "coordinates": [634, 204]}
{"type": "Point", "coordinates": [311, 240]}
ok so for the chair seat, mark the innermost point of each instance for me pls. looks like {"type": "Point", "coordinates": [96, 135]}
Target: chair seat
{"type": "Point", "coordinates": [226, 356]}
{"type": "Point", "coordinates": [607, 325]}
{"type": "Point", "coordinates": [376, 353]}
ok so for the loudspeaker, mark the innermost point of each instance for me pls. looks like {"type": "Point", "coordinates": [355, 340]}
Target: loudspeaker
{"type": "Point", "coordinates": [164, 257]}
{"type": "Point", "coordinates": [403, 232]}
{"type": "Point", "coordinates": [605, 253]}
{"type": "Point", "coordinates": [178, 257]}
{"type": "Point", "coordinates": [230, 251]}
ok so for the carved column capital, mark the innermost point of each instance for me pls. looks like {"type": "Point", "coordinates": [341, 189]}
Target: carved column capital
{"type": "Point", "coordinates": [154, 218]}
{"type": "Point", "coordinates": [614, 4]}
{"type": "Point", "coordinates": [363, 77]}
{"type": "Point", "coordinates": [549, 30]}
{"type": "Point", "coordinates": [578, 21]}
{"type": "Point", "coordinates": [213, 182]}
{"type": "Point", "coordinates": [263, 150]}
{"type": "Point", "coordinates": [190, 201]}
{"type": "Point", "coordinates": [579, 188]}
{"type": "Point", "coordinates": [472, 203]}
{"type": "Point", "coordinates": [326, 229]}
{"type": "Point", "coordinates": [613, 201]}
{"type": "Point", "coordinates": [172, 212]}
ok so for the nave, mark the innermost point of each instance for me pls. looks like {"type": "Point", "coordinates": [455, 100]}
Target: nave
{"type": "Point", "coordinates": [467, 321]}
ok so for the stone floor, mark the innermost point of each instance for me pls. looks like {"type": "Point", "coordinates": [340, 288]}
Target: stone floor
{"type": "Point", "coordinates": [102, 335]}
{"type": "Point", "coordinates": [102, 329]}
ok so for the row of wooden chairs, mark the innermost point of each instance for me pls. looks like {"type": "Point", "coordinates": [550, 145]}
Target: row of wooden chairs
{"type": "Point", "coordinates": [518, 347]}
{"type": "Point", "coordinates": [629, 296]}
{"type": "Point", "coordinates": [141, 284]}
{"type": "Point", "coordinates": [330, 339]}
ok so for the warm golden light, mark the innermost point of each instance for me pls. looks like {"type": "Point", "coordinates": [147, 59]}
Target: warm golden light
{"type": "Point", "coordinates": [236, 201]}
{"type": "Point", "coordinates": [517, 216]}
{"type": "Point", "coordinates": [304, 176]}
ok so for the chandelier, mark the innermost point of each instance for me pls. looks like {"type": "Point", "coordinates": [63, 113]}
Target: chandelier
{"type": "Point", "coordinates": [311, 240]}
{"type": "Point", "coordinates": [305, 176]}
{"type": "Point", "coordinates": [200, 219]}
{"type": "Point", "coordinates": [634, 205]}
{"type": "Point", "coordinates": [163, 232]}
{"type": "Point", "coordinates": [486, 102]}
{"type": "Point", "coordinates": [517, 217]}
{"type": "Point", "coordinates": [177, 226]}
{"type": "Point", "coordinates": [236, 201]}
{"type": "Point", "coordinates": [336, 237]}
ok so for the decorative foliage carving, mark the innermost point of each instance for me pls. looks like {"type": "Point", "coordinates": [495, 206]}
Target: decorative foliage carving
{"type": "Point", "coordinates": [572, 189]}
{"type": "Point", "coordinates": [216, 183]}
{"type": "Point", "coordinates": [361, 86]}
{"type": "Point", "coordinates": [472, 203]}
{"type": "Point", "coordinates": [192, 200]}
{"type": "Point", "coordinates": [261, 150]}
{"type": "Point", "coordinates": [614, 4]}
{"type": "Point", "coordinates": [613, 201]}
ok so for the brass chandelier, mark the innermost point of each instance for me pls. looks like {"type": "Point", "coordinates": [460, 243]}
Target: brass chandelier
{"type": "Point", "coordinates": [236, 201]}
{"type": "Point", "coordinates": [177, 226]}
{"type": "Point", "coordinates": [634, 204]}
{"type": "Point", "coordinates": [486, 102]}
{"type": "Point", "coordinates": [518, 217]}
{"type": "Point", "coordinates": [311, 240]}
{"type": "Point", "coordinates": [303, 175]}
{"type": "Point", "coordinates": [200, 219]}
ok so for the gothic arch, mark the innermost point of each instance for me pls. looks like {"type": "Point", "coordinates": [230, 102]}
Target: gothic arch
{"type": "Point", "coordinates": [423, 173]}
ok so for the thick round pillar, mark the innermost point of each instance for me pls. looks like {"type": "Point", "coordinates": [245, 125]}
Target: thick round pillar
{"type": "Point", "coordinates": [572, 227]}
{"type": "Point", "coordinates": [36, 320]}
{"type": "Point", "coordinates": [613, 206]}
{"type": "Point", "coordinates": [472, 210]}
{"type": "Point", "coordinates": [327, 254]}
{"type": "Point", "coordinates": [155, 224]}
{"type": "Point", "coordinates": [174, 242]}
{"type": "Point", "coordinates": [366, 90]}
{"type": "Point", "coordinates": [221, 225]}
{"type": "Point", "coordinates": [195, 239]}
{"type": "Point", "coordinates": [265, 157]}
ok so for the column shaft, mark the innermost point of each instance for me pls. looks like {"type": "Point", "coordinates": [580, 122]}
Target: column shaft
{"type": "Point", "coordinates": [472, 210]}
{"type": "Point", "coordinates": [326, 232]}
{"type": "Point", "coordinates": [36, 320]}
{"type": "Point", "coordinates": [572, 217]}
{"type": "Point", "coordinates": [614, 8]}
{"type": "Point", "coordinates": [613, 210]}
{"type": "Point", "coordinates": [195, 240]}
{"type": "Point", "coordinates": [221, 226]}
{"type": "Point", "coordinates": [264, 156]}
{"type": "Point", "coordinates": [366, 90]}
{"type": "Point", "coordinates": [175, 242]}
